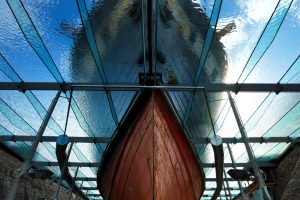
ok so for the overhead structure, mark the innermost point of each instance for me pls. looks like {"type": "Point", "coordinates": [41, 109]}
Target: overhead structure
{"type": "Point", "coordinates": [95, 58]}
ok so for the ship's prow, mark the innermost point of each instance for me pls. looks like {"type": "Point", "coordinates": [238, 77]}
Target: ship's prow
{"type": "Point", "coordinates": [150, 157]}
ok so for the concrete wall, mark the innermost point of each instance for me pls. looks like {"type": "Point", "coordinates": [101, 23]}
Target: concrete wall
{"type": "Point", "coordinates": [29, 189]}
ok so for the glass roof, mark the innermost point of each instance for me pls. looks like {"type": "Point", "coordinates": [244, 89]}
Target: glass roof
{"type": "Point", "coordinates": [103, 42]}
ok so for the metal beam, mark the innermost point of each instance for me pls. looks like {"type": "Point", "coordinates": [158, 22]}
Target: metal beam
{"type": "Point", "coordinates": [97, 164]}
{"type": "Point", "coordinates": [27, 138]}
{"type": "Point", "coordinates": [230, 188]}
{"type": "Point", "coordinates": [209, 87]}
{"type": "Point", "coordinates": [77, 195]}
{"type": "Point", "coordinates": [214, 179]}
{"type": "Point", "coordinates": [206, 189]}
{"type": "Point", "coordinates": [233, 140]}
{"type": "Point", "coordinates": [86, 179]}
{"type": "Point", "coordinates": [73, 184]}
{"type": "Point", "coordinates": [89, 188]}
{"type": "Point", "coordinates": [234, 166]}
{"type": "Point", "coordinates": [36, 140]}
{"type": "Point", "coordinates": [93, 195]}
{"type": "Point", "coordinates": [221, 195]}
{"type": "Point", "coordinates": [249, 149]}
{"type": "Point", "coordinates": [95, 179]}
{"type": "Point", "coordinates": [226, 185]}
{"type": "Point", "coordinates": [62, 172]}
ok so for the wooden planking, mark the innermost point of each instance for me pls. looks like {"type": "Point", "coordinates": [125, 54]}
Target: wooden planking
{"type": "Point", "coordinates": [152, 159]}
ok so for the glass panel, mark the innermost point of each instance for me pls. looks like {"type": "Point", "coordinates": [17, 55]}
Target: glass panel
{"type": "Point", "coordinates": [85, 172]}
{"type": "Point", "coordinates": [282, 104]}
{"type": "Point", "coordinates": [229, 127]}
{"type": "Point", "coordinates": [96, 111]}
{"type": "Point", "coordinates": [282, 52]}
{"type": "Point", "coordinates": [22, 58]}
{"type": "Point", "coordinates": [33, 37]}
{"type": "Point", "coordinates": [239, 150]}
{"type": "Point", "coordinates": [85, 152]}
{"type": "Point", "coordinates": [182, 26]}
{"type": "Point", "coordinates": [198, 121]}
{"type": "Point", "coordinates": [292, 75]}
{"type": "Point", "coordinates": [263, 152]}
{"type": "Point", "coordinates": [259, 113]}
{"type": "Point", "coordinates": [8, 70]}
{"type": "Point", "coordinates": [180, 102]}
{"type": "Point", "coordinates": [16, 119]}
{"type": "Point", "coordinates": [265, 40]}
{"type": "Point", "coordinates": [62, 32]}
{"type": "Point", "coordinates": [114, 32]}
{"type": "Point", "coordinates": [44, 97]}
{"type": "Point", "coordinates": [122, 101]}
{"type": "Point", "coordinates": [102, 42]}
{"type": "Point", "coordinates": [3, 77]}
{"type": "Point", "coordinates": [47, 150]}
{"type": "Point", "coordinates": [22, 149]}
{"type": "Point", "coordinates": [286, 125]}
{"type": "Point", "coordinates": [247, 103]}
{"type": "Point", "coordinates": [207, 156]}
{"type": "Point", "coordinates": [238, 30]}
{"type": "Point", "coordinates": [273, 153]}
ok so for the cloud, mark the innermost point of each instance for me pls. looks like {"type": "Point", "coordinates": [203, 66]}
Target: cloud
{"type": "Point", "coordinates": [238, 35]}
{"type": "Point", "coordinates": [251, 17]}
{"type": "Point", "coordinates": [295, 11]}
{"type": "Point", "coordinates": [257, 10]}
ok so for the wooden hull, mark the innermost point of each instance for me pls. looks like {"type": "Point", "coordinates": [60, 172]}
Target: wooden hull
{"type": "Point", "coordinates": [150, 157]}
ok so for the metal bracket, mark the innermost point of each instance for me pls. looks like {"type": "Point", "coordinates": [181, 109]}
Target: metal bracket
{"type": "Point", "coordinates": [150, 78]}
{"type": "Point", "coordinates": [21, 87]}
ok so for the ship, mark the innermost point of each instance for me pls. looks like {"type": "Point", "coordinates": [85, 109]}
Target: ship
{"type": "Point", "coordinates": [150, 157]}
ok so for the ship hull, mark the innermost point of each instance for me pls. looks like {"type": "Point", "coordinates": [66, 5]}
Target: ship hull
{"type": "Point", "coordinates": [150, 157]}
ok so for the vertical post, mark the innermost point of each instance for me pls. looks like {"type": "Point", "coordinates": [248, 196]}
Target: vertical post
{"type": "Point", "coordinates": [227, 184]}
{"type": "Point", "coordinates": [249, 150]}
{"type": "Point", "coordinates": [28, 162]}
{"type": "Point", "coordinates": [68, 112]}
{"type": "Point", "coordinates": [150, 35]}
{"type": "Point", "coordinates": [226, 195]}
{"type": "Point", "coordinates": [154, 38]}
{"type": "Point", "coordinates": [217, 145]}
{"type": "Point", "coordinates": [72, 187]}
{"type": "Point", "coordinates": [143, 39]}
{"type": "Point", "coordinates": [234, 167]}
{"type": "Point", "coordinates": [62, 173]}
{"type": "Point", "coordinates": [79, 189]}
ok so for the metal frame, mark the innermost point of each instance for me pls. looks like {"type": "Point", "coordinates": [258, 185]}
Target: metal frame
{"type": "Point", "coordinates": [97, 164]}
{"type": "Point", "coordinates": [202, 140]}
{"type": "Point", "coordinates": [28, 162]}
{"type": "Point", "coordinates": [62, 172]}
{"type": "Point", "coordinates": [226, 185]}
{"type": "Point", "coordinates": [77, 195]}
{"type": "Point", "coordinates": [215, 87]}
{"type": "Point", "coordinates": [207, 189]}
{"type": "Point", "coordinates": [209, 87]}
{"type": "Point", "coordinates": [95, 179]}
{"type": "Point", "coordinates": [234, 166]}
{"type": "Point", "coordinates": [73, 184]}
{"type": "Point", "coordinates": [251, 155]}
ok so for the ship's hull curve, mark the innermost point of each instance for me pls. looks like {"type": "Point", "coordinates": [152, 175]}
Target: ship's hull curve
{"type": "Point", "coordinates": [150, 157]}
